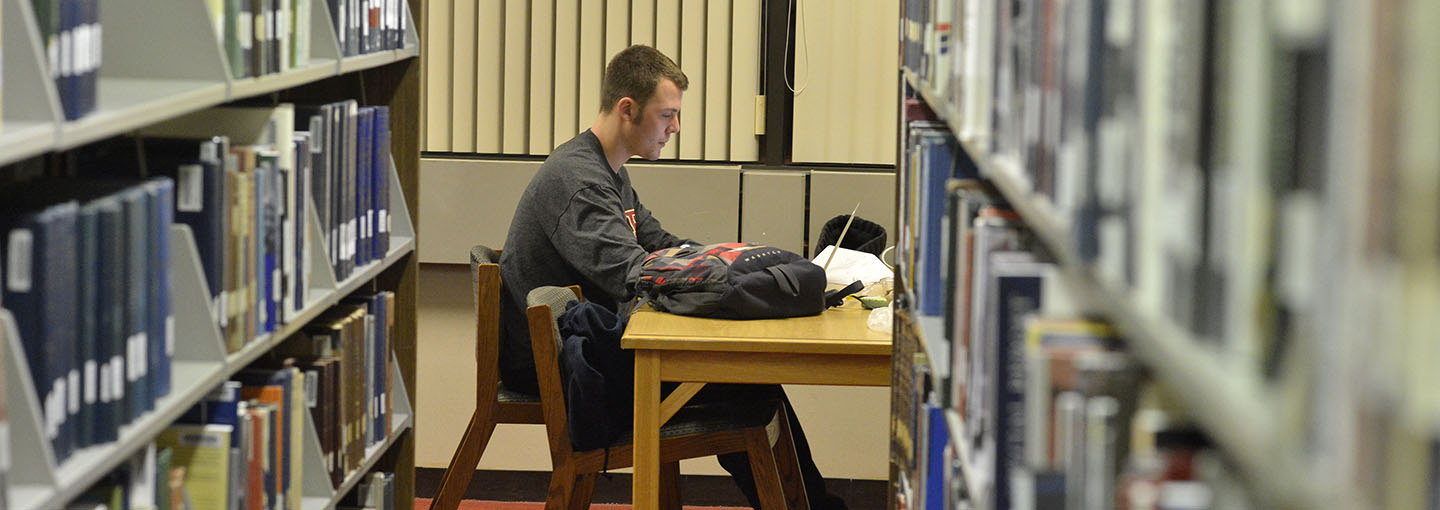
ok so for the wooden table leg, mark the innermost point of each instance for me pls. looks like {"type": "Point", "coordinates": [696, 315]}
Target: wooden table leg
{"type": "Point", "coordinates": [646, 487]}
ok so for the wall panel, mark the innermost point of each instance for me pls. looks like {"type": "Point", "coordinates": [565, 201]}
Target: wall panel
{"type": "Point", "coordinates": [517, 67]}
{"type": "Point", "coordinates": [542, 75]}
{"type": "Point", "coordinates": [567, 70]}
{"type": "Point", "coordinates": [554, 53]}
{"type": "Point", "coordinates": [489, 76]}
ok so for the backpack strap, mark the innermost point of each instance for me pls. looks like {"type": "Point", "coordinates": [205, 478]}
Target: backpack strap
{"type": "Point", "coordinates": [785, 277]}
{"type": "Point", "coordinates": [835, 297]}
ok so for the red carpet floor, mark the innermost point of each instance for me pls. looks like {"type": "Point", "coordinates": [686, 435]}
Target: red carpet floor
{"type": "Point", "coordinates": [472, 504]}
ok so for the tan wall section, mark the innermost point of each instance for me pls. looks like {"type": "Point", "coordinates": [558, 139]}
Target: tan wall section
{"type": "Point", "coordinates": [552, 54]}
{"type": "Point", "coordinates": [834, 193]}
{"type": "Point", "coordinates": [846, 69]}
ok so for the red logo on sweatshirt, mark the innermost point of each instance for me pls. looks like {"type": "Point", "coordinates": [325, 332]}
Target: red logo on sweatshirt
{"type": "Point", "coordinates": [630, 215]}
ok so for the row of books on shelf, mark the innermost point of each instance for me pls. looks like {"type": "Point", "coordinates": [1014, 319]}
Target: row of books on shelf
{"type": "Point", "coordinates": [159, 478]}
{"type": "Point", "coordinates": [262, 36]}
{"type": "Point", "coordinates": [71, 34]}
{"type": "Point", "coordinates": [242, 447]}
{"type": "Point", "coordinates": [1046, 396]}
{"type": "Point", "coordinates": [1176, 177]}
{"type": "Point", "coordinates": [87, 269]}
{"type": "Point", "coordinates": [87, 278]}
{"type": "Point", "coordinates": [258, 37]}
{"type": "Point", "coordinates": [1085, 431]}
{"type": "Point", "coordinates": [1050, 411]}
{"type": "Point", "coordinates": [368, 26]}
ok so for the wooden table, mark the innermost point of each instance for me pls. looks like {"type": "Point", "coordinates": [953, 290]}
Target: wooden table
{"type": "Point", "coordinates": [833, 348]}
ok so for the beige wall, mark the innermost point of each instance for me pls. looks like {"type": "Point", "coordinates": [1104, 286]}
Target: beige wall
{"type": "Point", "coordinates": [551, 55]}
{"type": "Point", "coordinates": [847, 77]}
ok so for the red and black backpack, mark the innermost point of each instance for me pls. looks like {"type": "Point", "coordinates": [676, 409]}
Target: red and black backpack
{"type": "Point", "coordinates": [734, 281]}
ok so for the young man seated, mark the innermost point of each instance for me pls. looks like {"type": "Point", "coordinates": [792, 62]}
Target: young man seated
{"type": "Point", "coordinates": [580, 222]}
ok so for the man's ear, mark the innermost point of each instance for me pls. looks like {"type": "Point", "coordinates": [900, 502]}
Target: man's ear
{"type": "Point", "coordinates": [626, 107]}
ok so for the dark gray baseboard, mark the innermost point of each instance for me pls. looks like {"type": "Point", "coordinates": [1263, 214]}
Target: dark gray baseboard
{"type": "Point", "coordinates": [701, 490]}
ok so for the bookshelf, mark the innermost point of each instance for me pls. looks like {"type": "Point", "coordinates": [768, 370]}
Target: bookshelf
{"type": "Point", "coordinates": [147, 79]}
{"type": "Point", "coordinates": [1266, 172]}
{"type": "Point", "coordinates": [1262, 424]}
{"type": "Point", "coordinates": [1232, 406]}
{"type": "Point", "coordinates": [150, 76]}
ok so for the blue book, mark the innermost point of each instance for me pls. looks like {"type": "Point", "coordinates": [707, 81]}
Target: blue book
{"type": "Point", "coordinates": [41, 256]}
{"type": "Point", "coordinates": [941, 160]}
{"type": "Point", "coordinates": [300, 284]}
{"type": "Point", "coordinates": [136, 213]}
{"type": "Point", "coordinates": [161, 344]}
{"type": "Point", "coordinates": [199, 174]}
{"type": "Point", "coordinates": [935, 460]}
{"type": "Point", "coordinates": [364, 157]}
{"type": "Point", "coordinates": [110, 323]}
{"type": "Point", "coordinates": [1017, 293]}
{"type": "Point", "coordinates": [87, 320]}
{"type": "Point", "coordinates": [381, 190]}
{"type": "Point", "coordinates": [65, 82]}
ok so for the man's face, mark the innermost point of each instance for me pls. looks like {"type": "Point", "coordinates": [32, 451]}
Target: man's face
{"type": "Point", "coordinates": [652, 126]}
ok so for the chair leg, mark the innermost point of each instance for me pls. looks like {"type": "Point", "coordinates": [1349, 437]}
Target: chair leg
{"type": "Point", "coordinates": [762, 464]}
{"type": "Point", "coordinates": [789, 466]}
{"type": "Point", "coordinates": [584, 489]}
{"type": "Point", "coordinates": [670, 486]}
{"type": "Point", "coordinates": [562, 486]}
{"type": "Point", "coordinates": [462, 465]}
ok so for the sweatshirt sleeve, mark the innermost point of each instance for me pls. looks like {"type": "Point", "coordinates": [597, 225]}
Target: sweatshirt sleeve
{"type": "Point", "coordinates": [594, 237]}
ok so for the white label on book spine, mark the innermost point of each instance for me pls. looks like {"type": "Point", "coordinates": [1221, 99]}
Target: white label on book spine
{"type": "Point", "coordinates": [91, 381]}
{"type": "Point", "coordinates": [117, 378]}
{"type": "Point", "coordinates": [20, 244]}
{"type": "Point", "coordinates": [97, 37]}
{"type": "Point", "coordinates": [245, 27]}
{"type": "Point", "coordinates": [384, 223]}
{"type": "Point", "coordinates": [370, 223]}
{"type": "Point", "coordinates": [79, 48]}
{"type": "Point", "coordinates": [50, 425]}
{"type": "Point", "coordinates": [72, 387]}
{"type": "Point", "coordinates": [4, 452]}
{"type": "Point", "coordinates": [61, 392]}
{"type": "Point", "coordinates": [170, 335]}
{"type": "Point", "coordinates": [222, 311]}
{"type": "Point", "coordinates": [275, 292]}
{"type": "Point", "coordinates": [67, 53]}
{"type": "Point", "coordinates": [189, 196]}
{"type": "Point", "coordinates": [312, 391]}
{"type": "Point", "coordinates": [104, 382]}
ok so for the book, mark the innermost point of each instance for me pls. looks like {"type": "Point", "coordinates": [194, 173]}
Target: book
{"type": "Point", "coordinates": [41, 297]}
{"type": "Point", "coordinates": [204, 452]}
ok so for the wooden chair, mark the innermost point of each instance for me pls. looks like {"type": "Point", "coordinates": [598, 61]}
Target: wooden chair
{"type": "Point", "coordinates": [494, 404]}
{"type": "Point", "coordinates": [698, 430]}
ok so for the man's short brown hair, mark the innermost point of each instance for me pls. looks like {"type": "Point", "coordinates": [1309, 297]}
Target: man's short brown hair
{"type": "Point", "coordinates": [634, 73]}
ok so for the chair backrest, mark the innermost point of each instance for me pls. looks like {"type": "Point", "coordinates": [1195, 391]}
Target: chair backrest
{"type": "Point", "coordinates": [544, 304]}
{"type": "Point", "coordinates": [485, 283]}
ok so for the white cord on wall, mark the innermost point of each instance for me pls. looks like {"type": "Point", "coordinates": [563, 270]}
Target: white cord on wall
{"type": "Point", "coordinates": [800, 14]}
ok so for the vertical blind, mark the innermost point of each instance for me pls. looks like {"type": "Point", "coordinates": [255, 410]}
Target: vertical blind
{"type": "Point", "coordinates": [522, 76]}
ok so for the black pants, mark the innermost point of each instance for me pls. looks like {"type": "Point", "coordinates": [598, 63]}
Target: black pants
{"type": "Point", "coordinates": [737, 464]}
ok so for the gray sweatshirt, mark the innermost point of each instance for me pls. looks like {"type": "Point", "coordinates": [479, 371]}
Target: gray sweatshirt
{"type": "Point", "coordinates": [577, 223]}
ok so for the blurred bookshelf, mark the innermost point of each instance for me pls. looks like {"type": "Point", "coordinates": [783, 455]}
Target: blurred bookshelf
{"type": "Point", "coordinates": [1194, 177]}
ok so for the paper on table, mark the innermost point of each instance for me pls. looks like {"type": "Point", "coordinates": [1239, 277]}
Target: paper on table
{"type": "Point", "coordinates": [850, 265]}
